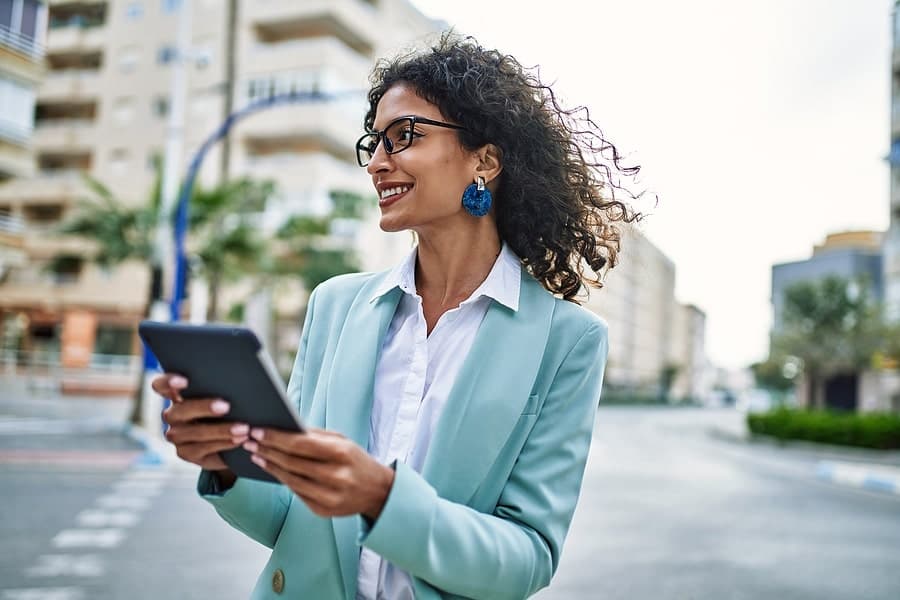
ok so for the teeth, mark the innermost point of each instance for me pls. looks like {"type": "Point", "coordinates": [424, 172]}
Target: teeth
{"type": "Point", "coordinates": [394, 191]}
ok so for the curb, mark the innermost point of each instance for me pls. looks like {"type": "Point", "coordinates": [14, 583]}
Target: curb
{"type": "Point", "coordinates": [156, 452]}
{"type": "Point", "coordinates": [875, 478]}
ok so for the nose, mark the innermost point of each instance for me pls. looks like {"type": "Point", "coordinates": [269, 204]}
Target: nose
{"type": "Point", "coordinates": [380, 162]}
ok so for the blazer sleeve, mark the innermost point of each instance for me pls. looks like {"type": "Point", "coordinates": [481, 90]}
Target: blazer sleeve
{"type": "Point", "coordinates": [513, 552]}
{"type": "Point", "coordinates": [258, 508]}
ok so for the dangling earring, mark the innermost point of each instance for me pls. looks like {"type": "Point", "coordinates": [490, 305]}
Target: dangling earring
{"type": "Point", "coordinates": [477, 199]}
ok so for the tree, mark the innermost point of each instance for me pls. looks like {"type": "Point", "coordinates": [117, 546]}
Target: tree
{"type": "Point", "coordinates": [221, 235]}
{"type": "Point", "coordinates": [832, 326]}
{"type": "Point", "coordinates": [308, 248]}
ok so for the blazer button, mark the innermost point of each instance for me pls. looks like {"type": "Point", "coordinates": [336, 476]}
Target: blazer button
{"type": "Point", "coordinates": [278, 581]}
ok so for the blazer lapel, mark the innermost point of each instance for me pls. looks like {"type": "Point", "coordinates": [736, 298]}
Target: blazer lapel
{"type": "Point", "coordinates": [490, 392]}
{"type": "Point", "coordinates": [348, 405]}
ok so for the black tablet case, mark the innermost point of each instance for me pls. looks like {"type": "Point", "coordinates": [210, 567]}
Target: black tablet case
{"type": "Point", "coordinates": [220, 361]}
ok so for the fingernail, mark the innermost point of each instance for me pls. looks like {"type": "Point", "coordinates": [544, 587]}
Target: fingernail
{"type": "Point", "coordinates": [220, 407]}
{"type": "Point", "coordinates": [256, 433]}
{"type": "Point", "coordinates": [240, 429]}
{"type": "Point", "coordinates": [258, 460]}
{"type": "Point", "coordinates": [178, 381]}
{"type": "Point", "coordinates": [251, 446]}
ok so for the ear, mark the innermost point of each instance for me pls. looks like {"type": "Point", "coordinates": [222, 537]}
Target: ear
{"type": "Point", "coordinates": [488, 162]}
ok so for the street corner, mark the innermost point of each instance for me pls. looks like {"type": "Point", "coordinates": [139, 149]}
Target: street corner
{"type": "Point", "coordinates": [867, 476]}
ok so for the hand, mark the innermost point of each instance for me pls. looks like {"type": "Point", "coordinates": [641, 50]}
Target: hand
{"type": "Point", "coordinates": [198, 443]}
{"type": "Point", "coordinates": [331, 474]}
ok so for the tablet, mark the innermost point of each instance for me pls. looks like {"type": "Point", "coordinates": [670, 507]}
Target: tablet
{"type": "Point", "coordinates": [223, 361]}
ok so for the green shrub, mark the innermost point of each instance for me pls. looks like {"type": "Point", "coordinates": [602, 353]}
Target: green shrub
{"type": "Point", "coordinates": [870, 430]}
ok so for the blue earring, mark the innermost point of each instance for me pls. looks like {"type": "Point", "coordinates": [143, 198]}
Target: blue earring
{"type": "Point", "coordinates": [477, 199]}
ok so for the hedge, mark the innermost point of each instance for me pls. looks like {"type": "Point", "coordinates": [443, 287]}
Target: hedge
{"type": "Point", "coordinates": [870, 430]}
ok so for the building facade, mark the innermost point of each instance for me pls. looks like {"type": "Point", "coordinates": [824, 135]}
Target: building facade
{"type": "Point", "coordinates": [853, 255]}
{"type": "Point", "coordinates": [650, 332]}
{"type": "Point", "coordinates": [891, 248]}
{"type": "Point", "coordinates": [103, 110]}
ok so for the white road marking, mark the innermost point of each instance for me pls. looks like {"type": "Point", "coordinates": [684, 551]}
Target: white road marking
{"type": "Point", "coordinates": [139, 488]}
{"type": "Point", "coordinates": [119, 501]}
{"type": "Point", "coordinates": [103, 518]}
{"type": "Point", "coordinates": [94, 538]}
{"type": "Point", "coordinates": [59, 593]}
{"type": "Point", "coordinates": [56, 565]}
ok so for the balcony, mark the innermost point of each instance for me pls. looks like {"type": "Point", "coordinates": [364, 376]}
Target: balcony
{"type": "Point", "coordinates": [347, 20]}
{"type": "Point", "coordinates": [311, 53]}
{"type": "Point", "coordinates": [64, 134]}
{"type": "Point", "coordinates": [322, 127]}
{"type": "Point", "coordinates": [70, 83]}
{"type": "Point", "coordinates": [21, 44]}
{"type": "Point", "coordinates": [76, 39]}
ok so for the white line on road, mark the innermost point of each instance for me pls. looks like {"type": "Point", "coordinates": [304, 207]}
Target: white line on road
{"type": "Point", "coordinates": [102, 518]}
{"type": "Point", "coordinates": [58, 593]}
{"type": "Point", "coordinates": [119, 501]}
{"type": "Point", "coordinates": [56, 565]}
{"type": "Point", "coordinates": [94, 538]}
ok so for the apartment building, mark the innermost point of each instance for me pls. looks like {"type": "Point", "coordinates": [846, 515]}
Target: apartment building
{"type": "Point", "coordinates": [891, 248]}
{"type": "Point", "coordinates": [22, 26]}
{"type": "Point", "coordinates": [649, 330]}
{"type": "Point", "coordinates": [103, 111]}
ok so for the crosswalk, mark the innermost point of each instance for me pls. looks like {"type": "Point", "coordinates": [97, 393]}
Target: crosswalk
{"type": "Point", "coordinates": [80, 552]}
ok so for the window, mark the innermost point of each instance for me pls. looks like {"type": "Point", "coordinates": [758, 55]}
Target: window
{"type": "Point", "coordinates": [123, 110]}
{"type": "Point", "coordinates": [129, 57]}
{"type": "Point", "coordinates": [161, 106]}
{"type": "Point", "coordinates": [119, 160]}
{"type": "Point", "coordinates": [113, 339]}
{"type": "Point", "coordinates": [134, 11]}
{"type": "Point", "coordinates": [66, 269]}
{"type": "Point", "coordinates": [166, 54]}
{"type": "Point", "coordinates": [16, 109]}
{"type": "Point", "coordinates": [43, 215]}
{"type": "Point", "coordinates": [171, 6]}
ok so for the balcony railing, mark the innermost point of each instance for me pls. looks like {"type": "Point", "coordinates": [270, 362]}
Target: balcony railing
{"type": "Point", "coordinates": [21, 43]}
{"type": "Point", "coordinates": [11, 224]}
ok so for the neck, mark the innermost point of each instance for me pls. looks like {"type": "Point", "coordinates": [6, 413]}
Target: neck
{"type": "Point", "coordinates": [452, 264]}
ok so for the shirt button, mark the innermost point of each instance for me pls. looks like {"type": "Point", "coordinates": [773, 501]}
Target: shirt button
{"type": "Point", "coordinates": [278, 581]}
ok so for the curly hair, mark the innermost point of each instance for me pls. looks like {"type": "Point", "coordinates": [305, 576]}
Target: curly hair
{"type": "Point", "coordinates": [556, 202]}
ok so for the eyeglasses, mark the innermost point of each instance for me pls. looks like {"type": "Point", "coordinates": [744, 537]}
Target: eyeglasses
{"type": "Point", "coordinates": [396, 137]}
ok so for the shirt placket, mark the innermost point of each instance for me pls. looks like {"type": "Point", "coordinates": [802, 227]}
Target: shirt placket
{"type": "Point", "coordinates": [407, 415]}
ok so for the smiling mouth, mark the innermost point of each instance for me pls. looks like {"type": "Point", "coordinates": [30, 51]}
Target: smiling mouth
{"type": "Point", "coordinates": [394, 191]}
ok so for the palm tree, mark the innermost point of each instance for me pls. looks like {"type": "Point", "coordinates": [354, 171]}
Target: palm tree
{"type": "Point", "coordinates": [221, 237]}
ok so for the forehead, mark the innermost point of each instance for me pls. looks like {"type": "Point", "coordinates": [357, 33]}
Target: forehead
{"type": "Point", "coordinates": [400, 101]}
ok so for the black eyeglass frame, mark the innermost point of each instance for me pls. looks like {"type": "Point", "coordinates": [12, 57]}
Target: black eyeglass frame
{"type": "Point", "coordinates": [388, 145]}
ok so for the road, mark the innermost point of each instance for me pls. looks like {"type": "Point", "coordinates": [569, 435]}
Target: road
{"type": "Point", "coordinates": [667, 511]}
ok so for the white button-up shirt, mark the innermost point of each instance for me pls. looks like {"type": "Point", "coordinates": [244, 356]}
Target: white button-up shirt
{"type": "Point", "coordinates": [413, 379]}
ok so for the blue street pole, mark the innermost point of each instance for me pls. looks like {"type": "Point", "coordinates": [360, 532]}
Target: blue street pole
{"type": "Point", "coordinates": [182, 210]}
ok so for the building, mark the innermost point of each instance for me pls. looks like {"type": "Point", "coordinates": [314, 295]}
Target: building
{"type": "Point", "coordinates": [855, 256]}
{"type": "Point", "coordinates": [649, 331]}
{"type": "Point", "coordinates": [891, 247]}
{"type": "Point", "coordinates": [22, 27]}
{"type": "Point", "coordinates": [103, 111]}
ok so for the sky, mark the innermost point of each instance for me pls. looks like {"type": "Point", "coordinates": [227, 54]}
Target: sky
{"type": "Point", "coordinates": [760, 126]}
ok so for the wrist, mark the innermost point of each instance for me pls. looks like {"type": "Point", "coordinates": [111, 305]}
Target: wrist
{"type": "Point", "coordinates": [380, 499]}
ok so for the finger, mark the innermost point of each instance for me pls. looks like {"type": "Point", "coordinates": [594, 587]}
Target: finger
{"type": "Point", "coordinates": [325, 473]}
{"type": "Point", "coordinates": [328, 499]}
{"type": "Point", "coordinates": [170, 385]}
{"type": "Point", "coordinates": [206, 453]}
{"type": "Point", "coordinates": [312, 444]}
{"type": "Point", "coordinates": [223, 432]}
{"type": "Point", "coordinates": [184, 412]}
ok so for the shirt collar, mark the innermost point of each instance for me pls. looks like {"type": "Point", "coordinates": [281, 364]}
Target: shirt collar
{"type": "Point", "coordinates": [502, 283]}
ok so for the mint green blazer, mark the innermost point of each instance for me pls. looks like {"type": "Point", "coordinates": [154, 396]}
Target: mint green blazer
{"type": "Point", "coordinates": [488, 515]}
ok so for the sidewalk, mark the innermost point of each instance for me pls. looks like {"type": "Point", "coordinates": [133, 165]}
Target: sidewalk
{"type": "Point", "coordinates": [873, 470]}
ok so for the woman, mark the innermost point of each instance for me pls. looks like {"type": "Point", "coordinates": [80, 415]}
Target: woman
{"type": "Point", "coordinates": [454, 395]}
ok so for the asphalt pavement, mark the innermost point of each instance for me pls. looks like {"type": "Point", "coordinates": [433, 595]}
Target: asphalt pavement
{"type": "Point", "coordinates": [677, 503]}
